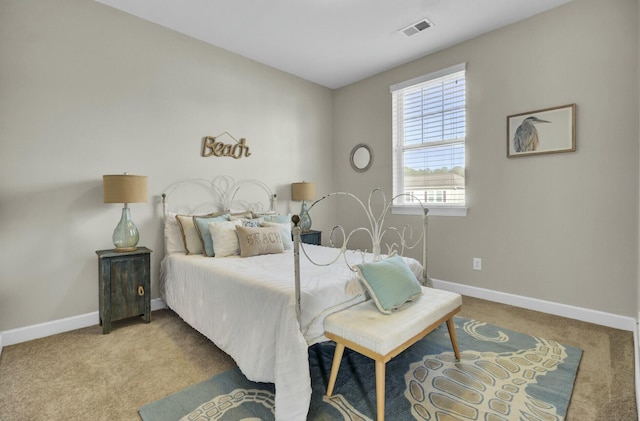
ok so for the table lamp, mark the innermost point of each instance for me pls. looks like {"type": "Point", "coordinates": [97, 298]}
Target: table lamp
{"type": "Point", "coordinates": [302, 192]}
{"type": "Point", "coordinates": [125, 188]}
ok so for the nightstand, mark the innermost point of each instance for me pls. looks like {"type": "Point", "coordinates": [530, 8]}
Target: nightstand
{"type": "Point", "coordinates": [311, 237]}
{"type": "Point", "coordinates": [125, 287]}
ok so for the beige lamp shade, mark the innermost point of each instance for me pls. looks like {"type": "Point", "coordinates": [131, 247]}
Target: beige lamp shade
{"type": "Point", "coordinates": [303, 191]}
{"type": "Point", "coordinates": [124, 188]}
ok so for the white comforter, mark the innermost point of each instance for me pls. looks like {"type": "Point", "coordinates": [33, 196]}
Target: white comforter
{"type": "Point", "coordinates": [246, 306]}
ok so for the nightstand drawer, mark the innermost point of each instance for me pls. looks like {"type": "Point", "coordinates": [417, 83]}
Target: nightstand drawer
{"type": "Point", "coordinates": [124, 289]}
{"type": "Point", "coordinates": [127, 290]}
{"type": "Point", "coordinates": [311, 237]}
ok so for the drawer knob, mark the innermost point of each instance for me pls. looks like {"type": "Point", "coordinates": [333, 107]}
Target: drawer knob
{"type": "Point", "coordinates": [140, 290]}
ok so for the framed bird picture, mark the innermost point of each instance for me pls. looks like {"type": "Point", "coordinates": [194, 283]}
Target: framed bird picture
{"type": "Point", "coordinates": [539, 132]}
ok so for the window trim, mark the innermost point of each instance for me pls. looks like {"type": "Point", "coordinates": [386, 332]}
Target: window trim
{"type": "Point", "coordinates": [425, 78]}
{"type": "Point", "coordinates": [434, 210]}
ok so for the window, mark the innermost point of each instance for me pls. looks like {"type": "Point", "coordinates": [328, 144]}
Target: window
{"type": "Point", "coordinates": [429, 132]}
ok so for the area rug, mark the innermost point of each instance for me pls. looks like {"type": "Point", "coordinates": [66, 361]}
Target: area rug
{"type": "Point", "coordinates": [501, 375]}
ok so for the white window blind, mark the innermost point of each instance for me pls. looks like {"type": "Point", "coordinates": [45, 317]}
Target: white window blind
{"type": "Point", "coordinates": [429, 132]}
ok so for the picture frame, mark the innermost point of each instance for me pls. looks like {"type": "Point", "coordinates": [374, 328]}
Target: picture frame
{"type": "Point", "coordinates": [541, 132]}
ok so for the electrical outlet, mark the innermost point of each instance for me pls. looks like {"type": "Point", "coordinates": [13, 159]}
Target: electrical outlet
{"type": "Point", "coordinates": [477, 263]}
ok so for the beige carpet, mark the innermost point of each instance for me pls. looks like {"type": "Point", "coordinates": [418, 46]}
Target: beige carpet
{"type": "Point", "coordinates": [85, 375]}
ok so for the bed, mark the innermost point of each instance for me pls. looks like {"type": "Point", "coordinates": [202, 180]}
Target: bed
{"type": "Point", "coordinates": [264, 310]}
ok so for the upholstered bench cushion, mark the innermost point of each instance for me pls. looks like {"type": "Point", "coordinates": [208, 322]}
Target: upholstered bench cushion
{"type": "Point", "coordinates": [365, 325]}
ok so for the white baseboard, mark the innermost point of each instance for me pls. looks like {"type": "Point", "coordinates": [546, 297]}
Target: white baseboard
{"type": "Point", "coordinates": [578, 313]}
{"type": "Point", "coordinates": [636, 346]}
{"type": "Point", "coordinates": [27, 333]}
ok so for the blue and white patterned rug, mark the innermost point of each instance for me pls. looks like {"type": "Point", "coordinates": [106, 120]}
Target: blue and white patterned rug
{"type": "Point", "coordinates": [502, 375]}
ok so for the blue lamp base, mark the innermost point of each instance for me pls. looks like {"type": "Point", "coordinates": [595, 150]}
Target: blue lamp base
{"type": "Point", "coordinates": [305, 219]}
{"type": "Point", "coordinates": [125, 236]}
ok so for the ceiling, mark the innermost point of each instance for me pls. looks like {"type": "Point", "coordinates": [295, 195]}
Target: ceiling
{"type": "Point", "coordinates": [332, 42]}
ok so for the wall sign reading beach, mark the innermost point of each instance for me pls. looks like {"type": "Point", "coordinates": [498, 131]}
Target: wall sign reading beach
{"type": "Point", "coordinates": [551, 130]}
{"type": "Point", "coordinates": [216, 146]}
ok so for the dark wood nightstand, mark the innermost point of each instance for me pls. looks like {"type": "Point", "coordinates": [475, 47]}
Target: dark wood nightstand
{"type": "Point", "coordinates": [311, 237]}
{"type": "Point", "coordinates": [125, 286]}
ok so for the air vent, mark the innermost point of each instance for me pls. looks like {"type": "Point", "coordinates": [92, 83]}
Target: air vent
{"type": "Point", "coordinates": [417, 27]}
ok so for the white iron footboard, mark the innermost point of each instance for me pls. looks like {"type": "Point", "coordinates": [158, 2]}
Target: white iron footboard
{"type": "Point", "coordinates": [376, 231]}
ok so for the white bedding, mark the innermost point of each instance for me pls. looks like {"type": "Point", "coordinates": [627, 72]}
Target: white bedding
{"type": "Point", "coordinates": [246, 306]}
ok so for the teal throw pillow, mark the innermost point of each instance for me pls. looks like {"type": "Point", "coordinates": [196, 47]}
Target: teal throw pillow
{"type": "Point", "coordinates": [202, 226]}
{"type": "Point", "coordinates": [277, 218]}
{"type": "Point", "coordinates": [390, 282]}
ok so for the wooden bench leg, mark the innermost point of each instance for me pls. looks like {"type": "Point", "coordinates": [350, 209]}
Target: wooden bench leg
{"type": "Point", "coordinates": [452, 334]}
{"type": "Point", "coordinates": [335, 366]}
{"type": "Point", "coordinates": [380, 368]}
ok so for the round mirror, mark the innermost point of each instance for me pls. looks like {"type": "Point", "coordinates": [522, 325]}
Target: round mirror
{"type": "Point", "coordinates": [361, 157]}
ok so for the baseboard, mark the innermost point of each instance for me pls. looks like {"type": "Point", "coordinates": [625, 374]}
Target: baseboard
{"type": "Point", "coordinates": [578, 313]}
{"type": "Point", "coordinates": [27, 333]}
{"type": "Point", "coordinates": [636, 348]}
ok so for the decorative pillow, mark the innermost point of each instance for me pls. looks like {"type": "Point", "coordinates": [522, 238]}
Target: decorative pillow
{"type": "Point", "coordinates": [255, 241]}
{"type": "Point", "coordinates": [202, 227]}
{"type": "Point", "coordinates": [278, 218]}
{"type": "Point", "coordinates": [390, 282]}
{"type": "Point", "coordinates": [256, 222]}
{"type": "Point", "coordinates": [224, 237]}
{"type": "Point", "coordinates": [172, 234]}
{"type": "Point", "coordinates": [239, 214]}
{"type": "Point", "coordinates": [258, 214]}
{"type": "Point", "coordinates": [285, 232]}
{"type": "Point", "coordinates": [190, 239]}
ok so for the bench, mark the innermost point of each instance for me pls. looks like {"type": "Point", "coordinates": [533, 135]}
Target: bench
{"type": "Point", "coordinates": [381, 337]}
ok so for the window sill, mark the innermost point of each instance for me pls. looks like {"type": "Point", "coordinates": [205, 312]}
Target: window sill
{"type": "Point", "coordinates": [433, 210]}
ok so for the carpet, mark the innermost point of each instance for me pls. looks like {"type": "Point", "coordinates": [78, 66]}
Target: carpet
{"type": "Point", "coordinates": [502, 375]}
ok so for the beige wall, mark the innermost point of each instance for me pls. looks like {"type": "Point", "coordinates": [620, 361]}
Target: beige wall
{"type": "Point", "coordinates": [86, 90]}
{"type": "Point", "coordinates": [562, 228]}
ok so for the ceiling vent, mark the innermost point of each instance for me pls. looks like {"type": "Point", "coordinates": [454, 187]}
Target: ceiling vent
{"type": "Point", "coordinates": [417, 27]}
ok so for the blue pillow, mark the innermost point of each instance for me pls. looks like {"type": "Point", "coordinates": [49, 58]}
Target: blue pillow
{"type": "Point", "coordinates": [202, 226]}
{"type": "Point", "coordinates": [277, 218]}
{"type": "Point", "coordinates": [390, 282]}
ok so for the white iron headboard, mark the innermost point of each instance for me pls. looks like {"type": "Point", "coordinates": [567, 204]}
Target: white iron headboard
{"type": "Point", "coordinates": [198, 196]}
